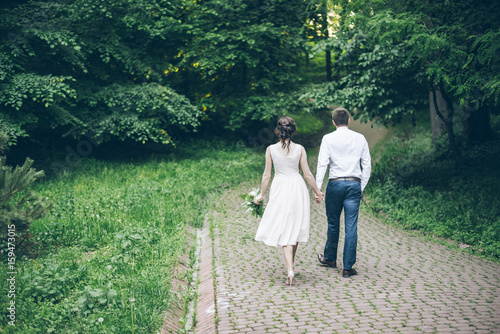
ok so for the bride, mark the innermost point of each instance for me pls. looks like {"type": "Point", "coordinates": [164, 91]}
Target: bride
{"type": "Point", "coordinates": [286, 219]}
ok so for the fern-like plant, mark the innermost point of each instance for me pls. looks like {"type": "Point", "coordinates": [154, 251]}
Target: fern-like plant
{"type": "Point", "coordinates": [19, 206]}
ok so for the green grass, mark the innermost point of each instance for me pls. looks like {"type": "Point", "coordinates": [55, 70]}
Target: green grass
{"type": "Point", "coordinates": [110, 246]}
{"type": "Point", "coordinates": [417, 185]}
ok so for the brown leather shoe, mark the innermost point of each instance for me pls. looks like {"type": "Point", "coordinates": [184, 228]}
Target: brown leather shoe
{"type": "Point", "coordinates": [349, 273]}
{"type": "Point", "coordinates": [331, 264]}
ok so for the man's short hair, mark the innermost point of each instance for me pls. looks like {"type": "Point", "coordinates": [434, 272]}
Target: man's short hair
{"type": "Point", "coordinates": [340, 116]}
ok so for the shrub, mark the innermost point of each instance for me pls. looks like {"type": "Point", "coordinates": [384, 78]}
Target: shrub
{"type": "Point", "coordinates": [418, 187]}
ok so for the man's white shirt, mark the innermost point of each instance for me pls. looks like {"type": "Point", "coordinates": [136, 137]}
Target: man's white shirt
{"type": "Point", "coordinates": [348, 155]}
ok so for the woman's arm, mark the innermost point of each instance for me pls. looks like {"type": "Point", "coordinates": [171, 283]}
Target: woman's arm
{"type": "Point", "coordinates": [266, 176]}
{"type": "Point", "coordinates": [307, 173]}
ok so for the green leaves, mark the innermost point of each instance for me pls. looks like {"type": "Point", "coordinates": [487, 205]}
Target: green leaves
{"type": "Point", "coordinates": [96, 299]}
{"type": "Point", "coordinates": [241, 53]}
{"type": "Point", "coordinates": [35, 89]}
{"type": "Point", "coordinates": [453, 42]}
{"type": "Point", "coordinates": [49, 282]}
{"type": "Point", "coordinates": [379, 81]}
{"type": "Point", "coordinates": [85, 64]}
{"type": "Point", "coordinates": [387, 54]}
{"type": "Point", "coordinates": [140, 112]}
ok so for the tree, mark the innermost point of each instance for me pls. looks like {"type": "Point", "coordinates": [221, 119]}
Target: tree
{"type": "Point", "coordinates": [241, 58]}
{"type": "Point", "coordinates": [92, 66]}
{"type": "Point", "coordinates": [147, 70]}
{"type": "Point", "coordinates": [319, 26]}
{"type": "Point", "coordinates": [444, 37]}
{"type": "Point", "coordinates": [449, 48]}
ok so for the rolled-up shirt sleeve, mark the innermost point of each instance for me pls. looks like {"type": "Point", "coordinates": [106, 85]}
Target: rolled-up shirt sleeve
{"type": "Point", "coordinates": [366, 165]}
{"type": "Point", "coordinates": [323, 161]}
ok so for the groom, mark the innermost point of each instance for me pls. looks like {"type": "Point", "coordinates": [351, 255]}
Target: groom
{"type": "Point", "coordinates": [349, 158]}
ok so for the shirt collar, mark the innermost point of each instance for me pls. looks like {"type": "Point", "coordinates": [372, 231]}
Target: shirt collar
{"type": "Point", "coordinates": [342, 128]}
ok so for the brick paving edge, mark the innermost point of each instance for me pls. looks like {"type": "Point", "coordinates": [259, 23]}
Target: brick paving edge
{"type": "Point", "coordinates": [206, 307]}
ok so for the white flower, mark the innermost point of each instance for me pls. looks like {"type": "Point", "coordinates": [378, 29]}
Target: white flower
{"type": "Point", "coordinates": [75, 309]}
{"type": "Point", "coordinates": [97, 215]}
{"type": "Point", "coordinates": [100, 319]}
{"type": "Point", "coordinates": [132, 300]}
{"type": "Point", "coordinates": [35, 283]}
{"type": "Point", "coordinates": [109, 267]}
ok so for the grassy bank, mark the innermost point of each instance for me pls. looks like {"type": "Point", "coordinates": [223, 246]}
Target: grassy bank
{"type": "Point", "coordinates": [104, 260]}
{"type": "Point", "coordinates": [418, 186]}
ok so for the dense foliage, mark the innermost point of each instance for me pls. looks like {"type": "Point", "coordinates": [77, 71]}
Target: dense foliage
{"type": "Point", "coordinates": [155, 70]}
{"type": "Point", "coordinates": [390, 54]}
{"type": "Point", "coordinates": [145, 70]}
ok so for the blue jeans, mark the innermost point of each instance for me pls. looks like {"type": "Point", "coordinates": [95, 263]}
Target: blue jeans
{"type": "Point", "coordinates": [342, 195]}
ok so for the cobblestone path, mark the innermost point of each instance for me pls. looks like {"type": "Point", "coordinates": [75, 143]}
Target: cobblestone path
{"type": "Point", "coordinates": [405, 284]}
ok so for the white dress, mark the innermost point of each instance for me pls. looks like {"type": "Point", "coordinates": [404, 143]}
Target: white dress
{"type": "Point", "coordinates": [287, 214]}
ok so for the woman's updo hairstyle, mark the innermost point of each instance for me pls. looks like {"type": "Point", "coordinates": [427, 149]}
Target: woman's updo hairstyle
{"type": "Point", "coordinates": [285, 129]}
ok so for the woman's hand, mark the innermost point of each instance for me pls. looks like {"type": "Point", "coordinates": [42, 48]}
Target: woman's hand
{"type": "Point", "coordinates": [319, 197]}
{"type": "Point", "coordinates": [258, 200]}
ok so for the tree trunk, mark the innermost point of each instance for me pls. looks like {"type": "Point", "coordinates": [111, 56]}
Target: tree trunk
{"type": "Point", "coordinates": [328, 56]}
{"type": "Point", "coordinates": [437, 124]}
{"type": "Point", "coordinates": [446, 116]}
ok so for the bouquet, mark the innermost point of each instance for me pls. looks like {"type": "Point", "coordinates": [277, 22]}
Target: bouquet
{"type": "Point", "coordinates": [256, 209]}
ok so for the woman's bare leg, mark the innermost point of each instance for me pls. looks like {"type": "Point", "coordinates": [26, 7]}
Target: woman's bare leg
{"type": "Point", "coordinates": [294, 251]}
{"type": "Point", "coordinates": [288, 253]}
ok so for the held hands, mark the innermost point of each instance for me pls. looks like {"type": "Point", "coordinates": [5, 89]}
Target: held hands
{"type": "Point", "coordinates": [319, 197]}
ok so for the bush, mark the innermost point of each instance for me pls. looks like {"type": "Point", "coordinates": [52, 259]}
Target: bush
{"type": "Point", "coordinates": [419, 187]}
{"type": "Point", "coordinates": [19, 206]}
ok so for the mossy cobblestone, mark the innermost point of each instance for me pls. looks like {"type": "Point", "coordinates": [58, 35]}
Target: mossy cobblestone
{"type": "Point", "coordinates": [405, 284]}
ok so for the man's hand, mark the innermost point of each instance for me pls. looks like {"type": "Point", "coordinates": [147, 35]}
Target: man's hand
{"type": "Point", "coordinates": [319, 197]}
